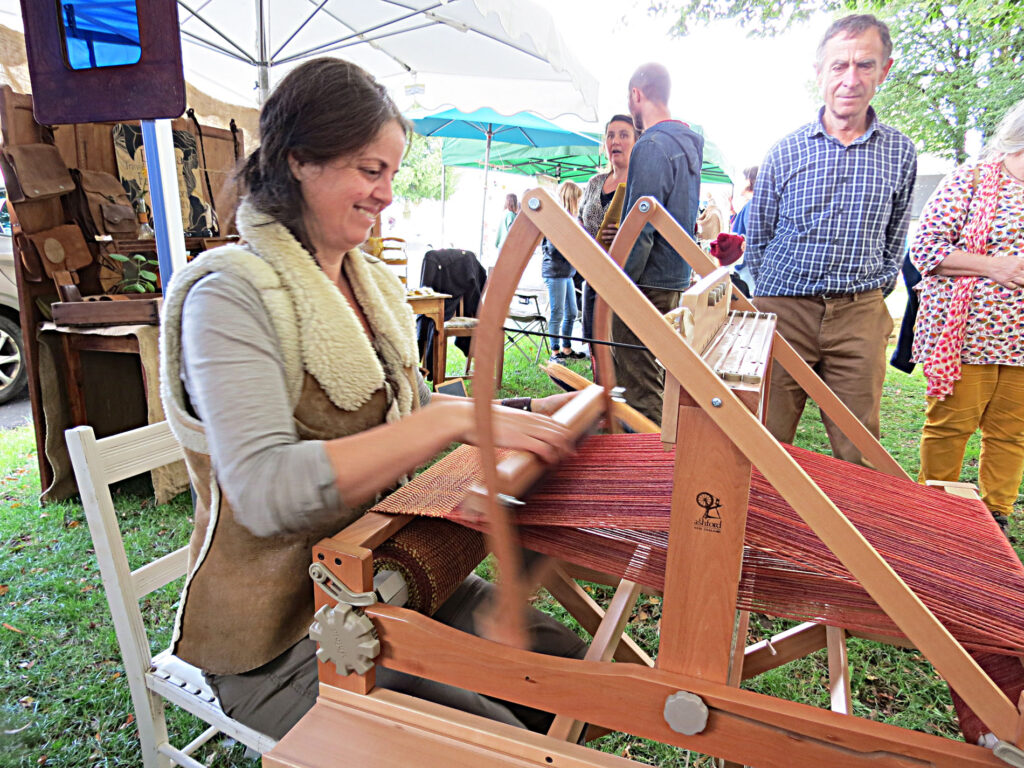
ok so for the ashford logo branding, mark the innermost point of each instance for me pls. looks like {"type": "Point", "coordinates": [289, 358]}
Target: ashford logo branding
{"type": "Point", "coordinates": [711, 520]}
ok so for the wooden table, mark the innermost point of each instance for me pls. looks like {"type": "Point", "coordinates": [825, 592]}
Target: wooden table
{"type": "Point", "coordinates": [432, 306]}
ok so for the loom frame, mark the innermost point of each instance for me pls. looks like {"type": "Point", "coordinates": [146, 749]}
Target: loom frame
{"type": "Point", "coordinates": [543, 215]}
{"type": "Point", "coordinates": [744, 727]}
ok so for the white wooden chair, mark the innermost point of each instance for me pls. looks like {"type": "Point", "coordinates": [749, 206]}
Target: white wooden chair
{"type": "Point", "coordinates": [152, 679]}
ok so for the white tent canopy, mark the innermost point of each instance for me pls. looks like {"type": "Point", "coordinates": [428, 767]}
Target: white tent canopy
{"type": "Point", "coordinates": [504, 54]}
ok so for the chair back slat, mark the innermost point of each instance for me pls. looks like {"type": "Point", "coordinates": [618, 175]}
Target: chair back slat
{"type": "Point", "coordinates": [159, 573]}
{"type": "Point", "coordinates": [140, 450]}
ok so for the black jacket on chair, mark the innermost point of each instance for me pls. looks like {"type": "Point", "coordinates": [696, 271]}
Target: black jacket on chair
{"type": "Point", "coordinates": [460, 274]}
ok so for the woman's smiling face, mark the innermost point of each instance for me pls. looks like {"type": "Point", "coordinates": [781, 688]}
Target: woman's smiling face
{"type": "Point", "coordinates": [343, 197]}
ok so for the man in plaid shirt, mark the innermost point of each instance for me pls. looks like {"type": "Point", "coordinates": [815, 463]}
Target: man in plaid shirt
{"type": "Point", "coordinates": [827, 229]}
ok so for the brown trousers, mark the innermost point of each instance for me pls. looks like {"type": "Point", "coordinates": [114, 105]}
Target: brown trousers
{"type": "Point", "coordinates": [637, 370]}
{"type": "Point", "coordinates": [843, 339]}
{"type": "Point", "coordinates": [274, 697]}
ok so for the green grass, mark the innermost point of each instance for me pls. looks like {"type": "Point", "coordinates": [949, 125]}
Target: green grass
{"type": "Point", "coordinates": [64, 700]}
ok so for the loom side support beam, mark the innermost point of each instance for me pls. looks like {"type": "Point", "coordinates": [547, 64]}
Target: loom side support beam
{"type": "Point", "coordinates": [353, 565]}
{"type": "Point", "coordinates": [589, 615]}
{"type": "Point", "coordinates": [888, 590]}
{"type": "Point", "coordinates": [710, 496]}
{"type": "Point", "coordinates": [838, 671]}
{"type": "Point", "coordinates": [744, 726]}
{"type": "Point", "coordinates": [602, 648]}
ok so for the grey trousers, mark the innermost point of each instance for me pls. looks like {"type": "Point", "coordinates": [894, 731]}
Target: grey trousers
{"type": "Point", "coordinates": [274, 697]}
{"type": "Point", "coordinates": [637, 370]}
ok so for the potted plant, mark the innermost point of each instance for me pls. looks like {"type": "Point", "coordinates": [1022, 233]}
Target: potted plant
{"type": "Point", "coordinates": [138, 275]}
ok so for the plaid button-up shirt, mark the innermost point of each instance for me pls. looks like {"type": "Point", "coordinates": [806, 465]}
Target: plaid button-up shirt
{"type": "Point", "coordinates": [831, 219]}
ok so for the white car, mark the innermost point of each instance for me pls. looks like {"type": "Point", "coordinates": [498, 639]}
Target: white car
{"type": "Point", "coordinates": [13, 373]}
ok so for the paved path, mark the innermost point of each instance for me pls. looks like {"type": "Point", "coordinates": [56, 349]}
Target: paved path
{"type": "Point", "coordinates": [16, 413]}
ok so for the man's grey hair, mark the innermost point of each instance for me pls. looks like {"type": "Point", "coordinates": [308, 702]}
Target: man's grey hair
{"type": "Point", "coordinates": [1009, 136]}
{"type": "Point", "coordinates": [854, 26]}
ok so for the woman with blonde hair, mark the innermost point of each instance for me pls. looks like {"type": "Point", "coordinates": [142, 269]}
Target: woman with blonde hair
{"type": "Point", "coordinates": [557, 273]}
{"type": "Point", "coordinates": [970, 249]}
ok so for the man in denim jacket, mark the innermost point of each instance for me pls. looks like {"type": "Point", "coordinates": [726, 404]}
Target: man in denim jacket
{"type": "Point", "coordinates": [665, 164]}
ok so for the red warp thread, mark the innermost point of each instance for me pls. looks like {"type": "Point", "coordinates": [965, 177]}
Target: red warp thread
{"type": "Point", "coordinates": [607, 508]}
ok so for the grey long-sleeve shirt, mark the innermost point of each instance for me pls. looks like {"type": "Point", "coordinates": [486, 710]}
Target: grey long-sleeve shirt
{"type": "Point", "coordinates": [233, 373]}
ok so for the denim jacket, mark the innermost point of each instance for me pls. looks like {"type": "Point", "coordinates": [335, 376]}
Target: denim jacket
{"type": "Point", "coordinates": [555, 264]}
{"type": "Point", "coordinates": [665, 164]}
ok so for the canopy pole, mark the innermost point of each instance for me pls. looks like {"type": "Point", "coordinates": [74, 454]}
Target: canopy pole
{"type": "Point", "coordinates": [262, 64]}
{"type": "Point", "coordinates": [163, 194]}
{"type": "Point", "coordinates": [444, 195]}
{"type": "Point", "coordinates": [487, 164]}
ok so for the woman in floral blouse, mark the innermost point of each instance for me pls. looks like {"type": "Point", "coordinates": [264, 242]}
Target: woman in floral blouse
{"type": "Point", "coordinates": [970, 328]}
{"type": "Point", "coordinates": [619, 137]}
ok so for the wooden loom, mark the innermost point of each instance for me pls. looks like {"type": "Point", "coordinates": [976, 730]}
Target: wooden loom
{"type": "Point", "coordinates": [380, 727]}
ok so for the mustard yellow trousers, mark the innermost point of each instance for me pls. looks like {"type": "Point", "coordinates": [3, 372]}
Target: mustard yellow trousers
{"type": "Point", "coordinates": [989, 397]}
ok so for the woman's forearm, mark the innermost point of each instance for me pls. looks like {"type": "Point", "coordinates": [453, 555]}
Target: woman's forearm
{"type": "Point", "coordinates": [962, 264]}
{"type": "Point", "coordinates": [1007, 270]}
{"type": "Point", "coordinates": [371, 461]}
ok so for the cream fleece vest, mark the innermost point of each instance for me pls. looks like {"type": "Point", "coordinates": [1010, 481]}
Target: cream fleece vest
{"type": "Point", "coordinates": [247, 599]}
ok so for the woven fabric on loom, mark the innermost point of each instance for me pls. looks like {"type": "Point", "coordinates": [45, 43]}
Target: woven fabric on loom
{"type": "Point", "coordinates": [608, 507]}
{"type": "Point", "coordinates": [433, 556]}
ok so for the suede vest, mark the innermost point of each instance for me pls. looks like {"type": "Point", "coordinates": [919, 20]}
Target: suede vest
{"type": "Point", "coordinates": [247, 599]}
{"type": "Point", "coordinates": [251, 598]}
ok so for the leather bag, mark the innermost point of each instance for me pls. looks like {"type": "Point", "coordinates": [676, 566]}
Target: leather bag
{"type": "Point", "coordinates": [35, 172]}
{"type": "Point", "coordinates": [61, 249]}
{"type": "Point", "coordinates": [102, 206]}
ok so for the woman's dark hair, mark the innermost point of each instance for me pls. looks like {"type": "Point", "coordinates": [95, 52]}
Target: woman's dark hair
{"type": "Point", "coordinates": [511, 203]}
{"type": "Point", "coordinates": [320, 111]}
{"type": "Point", "coordinates": [622, 119]}
{"type": "Point", "coordinates": [750, 174]}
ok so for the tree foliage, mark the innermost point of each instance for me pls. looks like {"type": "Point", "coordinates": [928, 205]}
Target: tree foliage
{"type": "Point", "coordinates": [420, 175]}
{"type": "Point", "coordinates": [957, 68]}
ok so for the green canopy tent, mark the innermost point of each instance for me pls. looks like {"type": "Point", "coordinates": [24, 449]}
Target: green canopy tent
{"type": "Point", "coordinates": [561, 163]}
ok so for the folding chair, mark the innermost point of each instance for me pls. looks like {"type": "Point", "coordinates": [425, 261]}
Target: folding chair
{"type": "Point", "coordinates": [152, 679]}
{"type": "Point", "coordinates": [524, 321]}
{"type": "Point", "coordinates": [461, 326]}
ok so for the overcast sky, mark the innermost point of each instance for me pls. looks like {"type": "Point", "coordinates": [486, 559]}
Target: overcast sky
{"type": "Point", "coordinates": [747, 93]}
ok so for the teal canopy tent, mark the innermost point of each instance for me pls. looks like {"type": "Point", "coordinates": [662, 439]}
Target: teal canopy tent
{"type": "Point", "coordinates": [484, 126]}
{"type": "Point", "coordinates": [567, 163]}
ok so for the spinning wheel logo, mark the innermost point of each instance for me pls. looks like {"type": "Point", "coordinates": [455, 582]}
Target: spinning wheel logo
{"type": "Point", "coordinates": [711, 520]}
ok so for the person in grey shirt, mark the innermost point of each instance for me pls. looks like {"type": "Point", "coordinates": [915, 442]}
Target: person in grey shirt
{"type": "Point", "coordinates": [289, 373]}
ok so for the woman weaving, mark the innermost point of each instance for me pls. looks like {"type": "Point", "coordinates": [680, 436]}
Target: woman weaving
{"type": "Point", "coordinates": [289, 375]}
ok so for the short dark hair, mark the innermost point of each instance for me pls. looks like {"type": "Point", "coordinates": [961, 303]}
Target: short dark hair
{"type": "Point", "coordinates": [621, 119]}
{"type": "Point", "coordinates": [855, 25]}
{"type": "Point", "coordinates": [322, 110]}
{"type": "Point", "coordinates": [653, 81]}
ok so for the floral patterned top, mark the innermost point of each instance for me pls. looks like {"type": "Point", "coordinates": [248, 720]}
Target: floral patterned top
{"type": "Point", "coordinates": [995, 317]}
{"type": "Point", "coordinates": [591, 210]}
